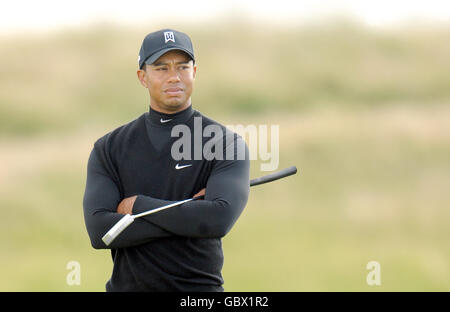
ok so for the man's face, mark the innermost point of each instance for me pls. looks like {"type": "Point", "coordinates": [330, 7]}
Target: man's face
{"type": "Point", "coordinates": [170, 81]}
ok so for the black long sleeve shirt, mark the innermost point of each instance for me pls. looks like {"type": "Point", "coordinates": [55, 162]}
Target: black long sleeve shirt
{"type": "Point", "coordinates": [178, 248]}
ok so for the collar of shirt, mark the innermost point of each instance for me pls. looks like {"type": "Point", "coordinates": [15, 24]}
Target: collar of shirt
{"type": "Point", "coordinates": [159, 119]}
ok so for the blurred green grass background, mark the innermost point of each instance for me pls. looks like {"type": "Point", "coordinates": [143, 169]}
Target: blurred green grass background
{"type": "Point", "coordinates": [363, 113]}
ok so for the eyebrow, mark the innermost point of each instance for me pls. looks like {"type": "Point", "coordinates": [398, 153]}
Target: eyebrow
{"type": "Point", "coordinates": [160, 63]}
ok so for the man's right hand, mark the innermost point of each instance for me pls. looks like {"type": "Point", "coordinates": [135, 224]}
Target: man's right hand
{"type": "Point", "coordinates": [200, 193]}
{"type": "Point", "coordinates": [126, 205]}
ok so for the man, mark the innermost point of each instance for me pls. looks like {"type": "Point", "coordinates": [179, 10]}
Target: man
{"type": "Point", "coordinates": [132, 169]}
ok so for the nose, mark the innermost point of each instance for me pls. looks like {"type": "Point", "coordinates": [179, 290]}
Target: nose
{"type": "Point", "coordinates": [173, 76]}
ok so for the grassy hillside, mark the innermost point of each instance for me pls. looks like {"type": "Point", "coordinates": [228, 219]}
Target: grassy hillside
{"type": "Point", "coordinates": [363, 114]}
{"type": "Point", "coordinates": [67, 80]}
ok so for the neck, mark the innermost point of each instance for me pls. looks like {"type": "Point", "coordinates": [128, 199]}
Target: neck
{"type": "Point", "coordinates": [169, 110]}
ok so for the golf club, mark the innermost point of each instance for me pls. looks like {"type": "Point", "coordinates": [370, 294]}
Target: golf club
{"type": "Point", "coordinates": [126, 220]}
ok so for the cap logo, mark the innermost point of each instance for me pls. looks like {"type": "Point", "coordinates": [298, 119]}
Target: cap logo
{"type": "Point", "coordinates": [168, 36]}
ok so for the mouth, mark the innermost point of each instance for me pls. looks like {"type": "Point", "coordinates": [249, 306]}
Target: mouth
{"type": "Point", "coordinates": [173, 91]}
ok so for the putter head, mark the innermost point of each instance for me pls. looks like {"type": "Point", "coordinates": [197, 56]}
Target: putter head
{"type": "Point", "coordinates": [121, 225]}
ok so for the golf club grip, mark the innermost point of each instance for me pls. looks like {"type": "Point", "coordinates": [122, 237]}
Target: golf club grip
{"type": "Point", "coordinates": [274, 176]}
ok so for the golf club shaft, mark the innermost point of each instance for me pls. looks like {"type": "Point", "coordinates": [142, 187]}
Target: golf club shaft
{"type": "Point", "coordinates": [146, 213]}
{"type": "Point", "coordinates": [127, 219]}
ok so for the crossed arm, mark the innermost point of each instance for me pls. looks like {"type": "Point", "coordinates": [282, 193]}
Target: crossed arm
{"type": "Point", "coordinates": [226, 195]}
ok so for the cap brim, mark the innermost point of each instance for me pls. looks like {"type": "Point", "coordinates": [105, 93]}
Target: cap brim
{"type": "Point", "coordinates": [158, 54]}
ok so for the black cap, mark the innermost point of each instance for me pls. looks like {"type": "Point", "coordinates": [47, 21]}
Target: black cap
{"type": "Point", "coordinates": [159, 42]}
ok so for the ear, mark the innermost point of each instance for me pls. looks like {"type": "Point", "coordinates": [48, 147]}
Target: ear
{"type": "Point", "coordinates": [141, 76]}
{"type": "Point", "coordinates": [195, 71]}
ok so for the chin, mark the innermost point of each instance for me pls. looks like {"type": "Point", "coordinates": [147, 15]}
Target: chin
{"type": "Point", "coordinates": [175, 103]}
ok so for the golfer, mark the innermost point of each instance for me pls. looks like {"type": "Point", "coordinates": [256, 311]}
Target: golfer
{"type": "Point", "coordinates": [132, 169]}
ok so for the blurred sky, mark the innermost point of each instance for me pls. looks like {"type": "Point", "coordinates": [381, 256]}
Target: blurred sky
{"type": "Point", "coordinates": [23, 15]}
